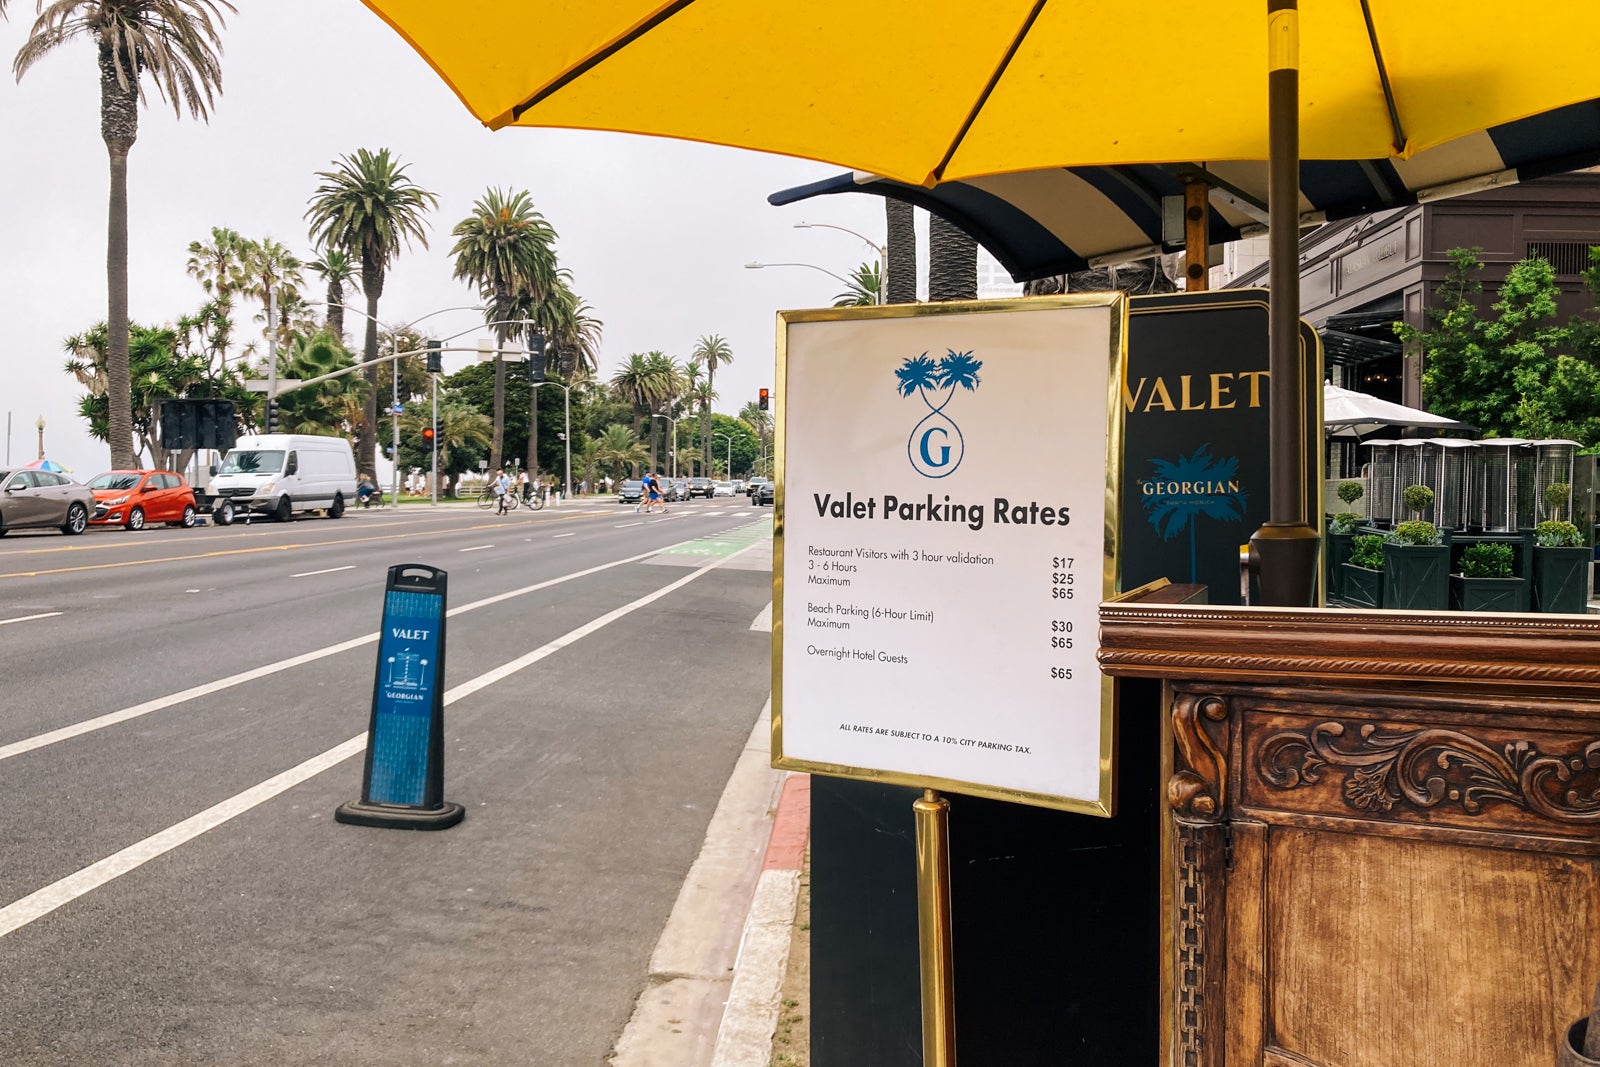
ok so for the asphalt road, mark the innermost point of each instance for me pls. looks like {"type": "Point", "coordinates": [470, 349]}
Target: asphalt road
{"type": "Point", "coordinates": [182, 711]}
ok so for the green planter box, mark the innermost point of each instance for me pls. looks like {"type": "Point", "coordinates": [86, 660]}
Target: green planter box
{"type": "Point", "coordinates": [1486, 594]}
{"type": "Point", "coordinates": [1561, 579]}
{"type": "Point", "coordinates": [1362, 587]}
{"type": "Point", "coordinates": [1416, 577]}
{"type": "Point", "coordinates": [1337, 555]}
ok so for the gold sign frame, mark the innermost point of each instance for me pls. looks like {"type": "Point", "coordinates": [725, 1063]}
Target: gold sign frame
{"type": "Point", "coordinates": [1103, 804]}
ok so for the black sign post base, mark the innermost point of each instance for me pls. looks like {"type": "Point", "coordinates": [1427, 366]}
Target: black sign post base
{"type": "Point", "coordinates": [397, 817]}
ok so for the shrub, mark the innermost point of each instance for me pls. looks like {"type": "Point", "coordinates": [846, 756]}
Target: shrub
{"type": "Point", "coordinates": [1344, 522]}
{"type": "Point", "coordinates": [1418, 499]}
{"type": "Point", "coordinates": [1350, 491]}
{"type": "Point", "coordinates": [1555, 497]}
{"type": "Point", "coordinates": [1367, 551]}
{"type": "Point", "coordinates": [1557, 535]}
{"type": "Point", "coordinates": [1415, 532]}
{"type": "Point", "coordinates": [1486, 561]}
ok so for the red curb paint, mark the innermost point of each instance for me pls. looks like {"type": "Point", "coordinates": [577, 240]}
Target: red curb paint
{"type": "Point", "coordinates": [786, 851]}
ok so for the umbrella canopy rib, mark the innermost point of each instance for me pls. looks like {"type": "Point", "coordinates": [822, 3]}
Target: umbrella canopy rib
{"type": "Point", "coordinates": [983, 97]}
{"type": "Point", "coordinates": [578, 70]}
{"type": "Point", "coordinates": [1383, 79]}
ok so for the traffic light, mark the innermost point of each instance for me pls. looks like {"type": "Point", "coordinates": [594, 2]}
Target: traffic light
{"type": "Point", "coordinates": [435, 356]}
{"type": "Point", "coordinates": [272, 415]}
{"type": "Point", "coordinates": [536, 358]}
{"type": "Point", "coordinates": [430, 437]}
{"type": "Point", "coordinates": [763, 400]}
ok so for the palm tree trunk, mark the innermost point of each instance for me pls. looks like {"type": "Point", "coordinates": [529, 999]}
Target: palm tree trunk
{"type": "Point", "coordinates": [336, 309]}
{"type": "Point", "coordinates": [119, 128]}
{"type": "Point", "coordinates": [900, 283]}
{"type": "Point", "coordinates": [952, 263]}
{"type": "Point", "coordinates": [367, 439]}
{"type": "Point", "coordinates": [533, 430]}
{"type": "Point", "coordinates": [498, 439]}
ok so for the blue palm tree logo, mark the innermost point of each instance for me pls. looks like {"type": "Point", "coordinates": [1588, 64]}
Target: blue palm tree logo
{"type": "Point", "coordinates": [936, 446]}
{"type": "Point", "coordinates": [1195, 485]}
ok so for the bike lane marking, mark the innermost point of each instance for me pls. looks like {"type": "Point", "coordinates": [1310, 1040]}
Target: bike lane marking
{"type": "Point", "coordinates": [42, 902]}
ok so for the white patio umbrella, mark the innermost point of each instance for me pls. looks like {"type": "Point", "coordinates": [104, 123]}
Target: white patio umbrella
{"type": "Point", "coordinates": [1347, 413]}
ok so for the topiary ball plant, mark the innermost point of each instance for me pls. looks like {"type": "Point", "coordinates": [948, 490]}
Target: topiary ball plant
{"type": "Point", "coordinates": [1367, 551]}
{"type": "Point", "coordinates": [1557, 535]}
{"type": "Point", "coordinates": [1418, 498]}
{"type": "Point", "coordinates": [1350, 491]}
{"type": "Point", "coordinates": [1486, 561]}
{"type": "Point", "coordinates": [1415, 532]}
{"type": "Point", "coordinates": [1556, 495]}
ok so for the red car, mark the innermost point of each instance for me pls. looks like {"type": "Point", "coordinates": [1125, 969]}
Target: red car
{"type": "Point", "coordinates": [137, 498]}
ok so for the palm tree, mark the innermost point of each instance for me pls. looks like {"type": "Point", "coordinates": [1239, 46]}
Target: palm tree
{"type": "Point", "coordinates": [178, 44]}
{"type": "Point", "coordinates": [952, 262]}
{"type": "Point", "coordinates": [618, 448]}
{"type": "Point", "coordinates": [570, 336]}
{"type": "Point", "coordinates": [642, 381]}
{"type": "Point", "coordinates": [703, 395]}
{"type": "Point", "coordinates": [218, 266]}
{"type": "Point", "coordinates": [337, 269]}
{"type": "Point", "coordinates": [759, 421]}
{"type": "Point", "coordinates": [901, 254]}
{"type": "Point", "coordinates": [507, 250]}
{"type": "Point", "coordinates": [316, 409]}
{"type": "Point", "coordinates": [713, 351]}
{"type": "Point", "coordinates": [273, 274]}
{"type": "Point", "coordinates": [367, 207]}
{"type": "Point", "coordinates": [865, 284]}
{"type": "Point", "coordinates": [666, 376]}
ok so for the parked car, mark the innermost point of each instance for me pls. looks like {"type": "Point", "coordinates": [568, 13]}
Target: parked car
{"type": "Point", "coordinates": [135, 498]}
{"type": "Point", "coordinates": [281, 473]}
{"type": "Point", "coordinates": [35, 499]}
{"type": "Point", "coordinates": [753, 488]}
{"type": "Point", "coordinates": [764, 494]}
{"type": "Point", "coordinates": [701, 487]}
{"type": "Point", "coordinates": [722, 489]}
{"type": "Point", "coordinates": [675, 489]}
{"type": "Point", "coordinates": [740, 487]}
{"type": "Point", "coordinates": [630, 491]}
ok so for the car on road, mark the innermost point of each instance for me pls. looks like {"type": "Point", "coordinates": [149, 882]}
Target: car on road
{"type": "Point", "coordinates": [279, 474]}
{"type": "Point", "coordinates": [136, 498]}
{"type": "Point", "coordinates": [630, 491]}
{"type": "Point", "coordinates": [753, 488]}
{"type": "Point", "coordinates": [763, 495]}
{"type": "Point", "coordinates": [702, 487]}
{"type": "Point", "coordinates": [740, 487]}
{"type": "Point", "coordinates": [38, 499]}
{"type": "Point", "coordinates": [722, 489]}
{"type": "Point", "coordinates": [675, 489]}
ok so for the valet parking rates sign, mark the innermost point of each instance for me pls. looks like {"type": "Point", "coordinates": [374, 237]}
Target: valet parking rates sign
{"type": "Point", "coordinates": [946, 474]}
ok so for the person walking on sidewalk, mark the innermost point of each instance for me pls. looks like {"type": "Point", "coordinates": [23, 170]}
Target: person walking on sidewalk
{"type": "Point", "coordinates": [523, 485]}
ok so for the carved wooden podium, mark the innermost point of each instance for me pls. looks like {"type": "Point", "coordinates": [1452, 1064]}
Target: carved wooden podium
{"type": "Point", "coordinates": [1384, 841]}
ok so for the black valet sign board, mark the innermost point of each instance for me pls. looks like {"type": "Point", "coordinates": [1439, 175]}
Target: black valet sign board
{"type": "Point", "coordinates": [947, 492]}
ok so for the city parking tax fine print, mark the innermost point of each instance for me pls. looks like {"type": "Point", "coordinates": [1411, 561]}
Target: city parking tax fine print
{"type": "Point", "coordinates": [947, 475]}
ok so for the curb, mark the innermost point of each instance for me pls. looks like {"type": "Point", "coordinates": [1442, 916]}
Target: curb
{"type": "Point", "coordinates": [745, 1036]}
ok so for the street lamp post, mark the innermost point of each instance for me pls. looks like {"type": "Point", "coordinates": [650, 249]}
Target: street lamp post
{"type": "Point", "coordinates": [672, 429]}
{"type": "Point", "coordinates": [566, 414]}
{"type": "Point", "coordinates": [40, 425]}
{"type": "Point", "coordinates": [729, 438]}
{"type": "Point", "coordinates": [808, 266]}
{"type": "Point", "coordinates": [883, 253]}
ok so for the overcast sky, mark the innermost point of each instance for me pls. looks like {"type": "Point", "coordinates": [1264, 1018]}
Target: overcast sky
{"type": "Point", "coordinates": [655, 232]}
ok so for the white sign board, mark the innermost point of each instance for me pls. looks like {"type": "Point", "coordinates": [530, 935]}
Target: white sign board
{"type": "Point", "coordinates": [946, 490]}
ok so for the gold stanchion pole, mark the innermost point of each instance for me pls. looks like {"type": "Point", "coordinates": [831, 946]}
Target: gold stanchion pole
{"type": "Point", "coordinates": [933, 929]}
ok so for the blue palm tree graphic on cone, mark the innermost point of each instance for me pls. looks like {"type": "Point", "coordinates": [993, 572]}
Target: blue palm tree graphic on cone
{"type": "Point", "coordinates": [1194, 486]}
{"type": "Point", "coordinates": [936, 446]}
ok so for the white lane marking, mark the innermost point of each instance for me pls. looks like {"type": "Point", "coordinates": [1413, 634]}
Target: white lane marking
{"type": "Point", "coordinates": [87, 726]}
{"type": "Point", "coordinates": [763, 621]}
{"type": "Point", "coordinates": [30, 618]}
{"type": "Point", "coordinates": [64, 891]}
{"type": "Point", "coordinates": [573, 534]}
{"type": "Point", "coordinates": [475, 548]}
{"type": "Point", "coordinates": [330, 570]}
{"type": "Point", "coordinates": [625, 525]}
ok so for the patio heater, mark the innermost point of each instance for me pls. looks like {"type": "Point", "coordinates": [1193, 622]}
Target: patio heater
{"type": "Point", "coordinates": [1552, 463]}
{"type": "Point", "coordinates": [1501, 479]}
{"type": "Point", "coordinates": [1444, 464]}
{"type": "Point", "coordinates": [1408, 472]}
{"type": "Point", "coordinates": [1380, 482]}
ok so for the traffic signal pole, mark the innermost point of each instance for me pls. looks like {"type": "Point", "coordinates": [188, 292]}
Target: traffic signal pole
{"type": "Point", "coordinates": [435, 424]}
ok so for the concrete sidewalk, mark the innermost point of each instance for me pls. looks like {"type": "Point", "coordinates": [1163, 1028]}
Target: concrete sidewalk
{"type": "Point", "coordinates": [711, 998]}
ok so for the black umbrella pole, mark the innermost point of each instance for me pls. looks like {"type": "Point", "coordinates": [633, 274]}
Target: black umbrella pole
{"type": "Point", "coordinates": [1283, 553]}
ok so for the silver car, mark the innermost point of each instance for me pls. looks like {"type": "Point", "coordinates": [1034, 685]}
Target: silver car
{"type": "Point", "coordinates": [42, 499]}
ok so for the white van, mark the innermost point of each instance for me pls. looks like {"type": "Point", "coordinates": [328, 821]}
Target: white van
{"type": "Point", "coordinates": [281, 473]}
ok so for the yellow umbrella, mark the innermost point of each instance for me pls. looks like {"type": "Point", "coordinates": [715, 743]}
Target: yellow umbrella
{"type": "Point", "coordinates": [926, 90]}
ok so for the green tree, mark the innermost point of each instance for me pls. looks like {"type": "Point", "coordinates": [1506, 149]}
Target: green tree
{"type": "Point", "coordinates": [272, 272]}
{"type": "Point", "coordinates": [507, 250]}
{"type": "Point", "coordinates": [619, 452]}
{"type": "Point", "coordinates": [866, 283]}
{"type": "Point", "coordinates": [337, 270]}
{"type": "Point", "coordinates": [367, 207]}
{"type": "Point", "coordinates": [761, 422]}
{"type": "Point", "coordinates": [174, 44]}
{"type": "Point", "coordinates": [316, 409]}
{"type": "Point", "coordinates": [713, 351]}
